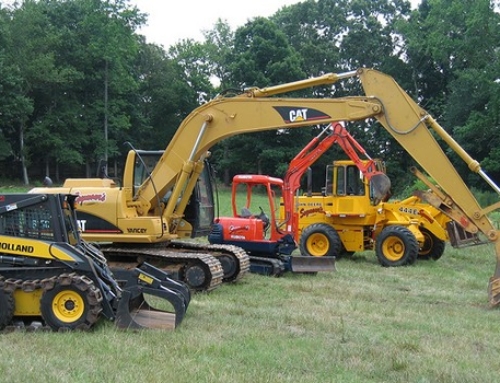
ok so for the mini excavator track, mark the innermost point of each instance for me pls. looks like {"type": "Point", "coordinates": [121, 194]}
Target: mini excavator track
{"type": "Point", "coordinates": [271, 267]}
{"type": "Point", "coordinates": [201, 272]}
{"type": "Point", "coordinates": [235, 261]}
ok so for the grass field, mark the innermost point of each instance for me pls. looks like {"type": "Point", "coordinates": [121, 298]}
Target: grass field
{"type": "Point", "coordinates": [426, 323]}
{"type": "Point", "coordinates": [430, 322]}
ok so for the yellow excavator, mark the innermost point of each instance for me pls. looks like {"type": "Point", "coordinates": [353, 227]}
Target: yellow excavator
{"type": "Point", "coordinates": [144, 209]}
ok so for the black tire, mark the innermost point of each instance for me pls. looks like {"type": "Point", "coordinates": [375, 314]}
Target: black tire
{"type": "Point", "coordinates": [6, 308]}
{"type": "Point", "coordinates": [320, 240]}
{"type": "Point", "coordinates": [433, 246]}
{"type": "Point", "coordinates": [71, 304]}
{"type": "Point", "coordinates": [396, 246]}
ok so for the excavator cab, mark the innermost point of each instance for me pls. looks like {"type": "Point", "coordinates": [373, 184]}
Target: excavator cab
{"type": "Point", "coordinates": [199, 212]}
{"type": "Point", "coordinates": [255, 227]}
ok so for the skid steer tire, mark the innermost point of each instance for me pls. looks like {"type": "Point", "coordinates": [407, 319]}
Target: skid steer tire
{"type": "Point", "coordinates": [320, 240]}
{"type": "Point", "coordinates": [433, 246]}
{"type": "Point", "coordinates": [6, 308]}
{"type": "Point", "coordinates": [73, 306]}
{"type": "Point", "coordinates": [396, 246]}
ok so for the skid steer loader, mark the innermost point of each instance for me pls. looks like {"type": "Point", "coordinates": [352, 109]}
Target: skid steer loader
{"type": "Point", "coordinates": [51, 279]}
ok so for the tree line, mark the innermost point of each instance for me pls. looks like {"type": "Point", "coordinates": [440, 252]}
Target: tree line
{"type": "Point", "coordinates": [78, 81]}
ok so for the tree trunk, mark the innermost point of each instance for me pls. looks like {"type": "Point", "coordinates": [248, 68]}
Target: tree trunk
{"type": "Point", "coordinates": [21, 153]}
{"type": "Point", "coordinates": [106, 117]}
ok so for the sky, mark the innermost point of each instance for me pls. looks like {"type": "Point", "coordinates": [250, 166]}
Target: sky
{"type": "Point", "coordinates": [170, 21]}
{"type": "Point", "coordinates": [173, 20]}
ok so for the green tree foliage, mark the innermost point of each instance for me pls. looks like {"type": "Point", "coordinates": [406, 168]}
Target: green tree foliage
{"type": "Point", "coordinates": [261, 56]}
{"type": "Point", "coordinates": [453, 50]}
{"type": "Point", "coordinates": [15, 106]}
{"type": "Point", "coordinates": [73, 72]}
{"type": "Point", "coordinates": [75, 59]}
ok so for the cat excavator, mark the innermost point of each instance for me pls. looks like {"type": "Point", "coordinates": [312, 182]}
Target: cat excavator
{"type": "Point", "coordinates": [144, 209]}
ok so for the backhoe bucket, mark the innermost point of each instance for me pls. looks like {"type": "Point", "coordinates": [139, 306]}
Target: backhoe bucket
{"type": "Point", "coordinates": [135, 311]}
{"type": "Point", "coordinates": [381, 186]}
{"type": "Point", "coordinates": [306, 264]}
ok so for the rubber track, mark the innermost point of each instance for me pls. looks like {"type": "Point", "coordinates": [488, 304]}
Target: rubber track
{"type": "Point", "coordinates": [10, 285]}
{"type": "Point", "coordinates": [276, 264]}
{"type": "Point", "coordinates": [172, 257]}
{"type": "Point", "coordinates": [238, 254]}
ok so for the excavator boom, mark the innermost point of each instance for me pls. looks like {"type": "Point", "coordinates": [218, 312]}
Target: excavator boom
{"type": "Point", "coordinates": [254, 110]}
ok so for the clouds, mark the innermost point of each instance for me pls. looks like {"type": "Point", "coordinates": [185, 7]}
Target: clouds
{"type": "Point", "coordinates": [169, 22]}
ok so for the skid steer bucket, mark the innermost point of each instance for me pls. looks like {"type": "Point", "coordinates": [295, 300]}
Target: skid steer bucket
{"type": "Point", "coordinates": [305, 264]}
{"type": "Point", "coordinates": [144, 294]}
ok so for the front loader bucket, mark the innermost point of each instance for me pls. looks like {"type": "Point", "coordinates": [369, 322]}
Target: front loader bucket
{"type": "Point", "coordinates": [134, 312]}
{"type": "Point", "coordinates": [306, 264]}
{"type": "Point", "coordinates": [381, 186]}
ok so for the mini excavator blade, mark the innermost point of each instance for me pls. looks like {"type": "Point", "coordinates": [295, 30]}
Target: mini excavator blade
{"type": "Point", "coordinates": [306, 264]}
{"type": "Point", "coordinates": [136, 312]}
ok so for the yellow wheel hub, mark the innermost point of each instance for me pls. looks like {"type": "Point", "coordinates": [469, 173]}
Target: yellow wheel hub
{"type": "Point", "coordinates": [393, 248]}
{"type": "Point", "coordinates": [317, 244]}
{"type": "Point", "coordinates": [68, 306]}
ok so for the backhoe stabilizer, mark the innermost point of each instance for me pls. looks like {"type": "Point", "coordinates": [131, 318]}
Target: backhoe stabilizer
{"type": "Point", "coordinates": [306, 264]}
{"type": "Point", "coordinates": [135, 308]}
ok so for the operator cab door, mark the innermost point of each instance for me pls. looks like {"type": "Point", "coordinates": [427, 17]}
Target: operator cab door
{"type": "Point", "coordinates": [199, 211]}
{"type": "Point", "coordinates": [350, 190]}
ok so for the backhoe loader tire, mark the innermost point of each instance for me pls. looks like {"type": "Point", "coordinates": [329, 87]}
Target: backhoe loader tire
{"type": "Point", "coordinates": [396, 246]}
{"type": "Point", "coordinates": [73, 303]}
{"type": "Point", "coordinates": [320, 240]}
{"type": "Point", "coordinates": [433, 246]}
{"type": "Point", "coordinates": [6, 308]}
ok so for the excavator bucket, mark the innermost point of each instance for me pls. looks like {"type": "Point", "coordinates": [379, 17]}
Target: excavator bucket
{"type": "Point", "coordinates": [381, 185]}
{"type": "Point", "coordinates": [306, 264]}
{"type": "Point", "coordinates": [144, 287]}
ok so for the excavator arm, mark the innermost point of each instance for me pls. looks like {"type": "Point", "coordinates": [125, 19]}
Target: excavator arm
{"type": "Point", "coordinates": [255, 110]}
{"type": "Point", "coordinates": [412, 127]}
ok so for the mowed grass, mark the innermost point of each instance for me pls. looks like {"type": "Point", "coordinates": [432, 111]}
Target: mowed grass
{"type": "Point", "coordinates": [430, 322]}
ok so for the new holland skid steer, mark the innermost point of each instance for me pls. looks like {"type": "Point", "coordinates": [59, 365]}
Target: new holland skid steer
{"type": "Point", "coordinates": [51, 279]}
